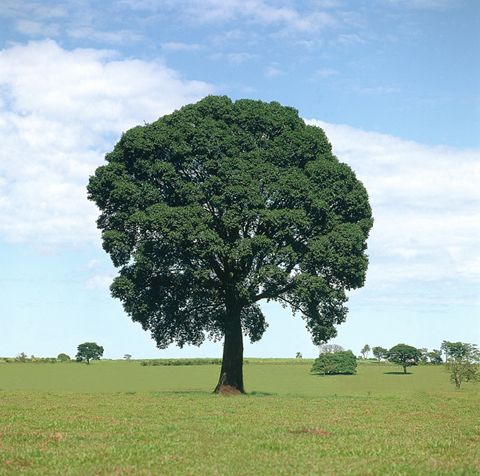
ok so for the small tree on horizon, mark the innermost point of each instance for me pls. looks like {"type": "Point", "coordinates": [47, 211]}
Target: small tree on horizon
{"type": "Point", "coordinates": [63, 357]}
{"type": "Point", "coordinates": [379, 353]}
{"type": "Point", "coordinates": [435, 357]}
{"type": "Point", "coordinates": [365, 350]}
{"type": "Point", "coordinates": [404, 355]}
{"type": "Point", "coordinates": [424, 355]}
{"type": "Point", "coordinates": [22, 357]}
{"type": "Point", "coordinates": [330, 348]}
{"type": "Point", "coordinates": [462, 362]}
{"type": "Point", "coordinates": [89, 351]}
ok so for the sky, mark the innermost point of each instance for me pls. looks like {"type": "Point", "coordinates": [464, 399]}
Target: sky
{"type": "Point", "coordinates": [395, 84]}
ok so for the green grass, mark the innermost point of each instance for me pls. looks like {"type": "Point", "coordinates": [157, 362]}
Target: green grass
{"type": "Point", "coordinates": [122, 418]}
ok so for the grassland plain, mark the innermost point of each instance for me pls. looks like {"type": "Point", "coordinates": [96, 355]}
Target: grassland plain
{"type": "Point", "coordinates": [123, 418]}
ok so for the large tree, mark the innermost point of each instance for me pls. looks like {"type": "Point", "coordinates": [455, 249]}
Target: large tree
{"type": "Point", "coordinates": [221, 205]}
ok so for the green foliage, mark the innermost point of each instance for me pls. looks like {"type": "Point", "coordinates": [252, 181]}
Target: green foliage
{"type": "Point", "coordinates": [63, 357]}
{"type": "Point", "coordinates": [423, 355]}
{"type": "Point", "coordinates": [435, 357]}
{"type": "Point", "coordinates": [462, 362]}
{"type": "Point", "coordinates": [380, 352]}
{"type": "Point", "coordinates": [89, 351]}
{"type": "Point", "coordinates": [22, 357]}
{"type": "Point", "coordinates": [365, 350]}
{"type": "Point", "coordinates": [342, 362]}
{"type": "Point", "coordinates": [404, 355]}
{"type": "Point", "coordinates": [213, 207]}
{"type": "Point", "coordinates": [176, 362]}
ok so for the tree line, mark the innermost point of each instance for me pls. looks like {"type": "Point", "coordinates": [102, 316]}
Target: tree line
{"type": "Point", "coordinates": [461, 359]}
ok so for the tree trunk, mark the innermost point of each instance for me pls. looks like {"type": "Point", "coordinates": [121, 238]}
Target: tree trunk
{"type": "Point", "coordinates": [404, 369]}
{"type": "Point", "coordinates": [231, 374]}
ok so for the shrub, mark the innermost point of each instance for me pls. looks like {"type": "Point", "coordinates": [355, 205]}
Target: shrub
{"type": "Point", "coordinates": [63, 357]}
{"type": "Point", "coordinates": [343, 362]}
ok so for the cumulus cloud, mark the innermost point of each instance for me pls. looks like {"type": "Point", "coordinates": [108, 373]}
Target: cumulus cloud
{"type": "Point", "coordinates": [425, 201]}
{"type": "Point", "coordinates": [256, 11]}
{"type": "Point", "coordinates": [60, 111]}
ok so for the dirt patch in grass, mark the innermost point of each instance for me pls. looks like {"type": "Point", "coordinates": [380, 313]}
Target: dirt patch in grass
{"type": "Point", "coordinates": [228, 390]}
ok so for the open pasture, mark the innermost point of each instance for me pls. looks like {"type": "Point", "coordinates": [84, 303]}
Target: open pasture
{"type": "Point", "coordinates": [123, 418]}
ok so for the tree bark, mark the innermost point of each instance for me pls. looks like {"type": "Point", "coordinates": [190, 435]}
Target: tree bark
{"type": "Point", "coordinates": [231, 373]}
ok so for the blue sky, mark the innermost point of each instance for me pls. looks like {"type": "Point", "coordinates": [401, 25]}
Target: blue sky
{"type": "Point", "coordinates": [394, 83]}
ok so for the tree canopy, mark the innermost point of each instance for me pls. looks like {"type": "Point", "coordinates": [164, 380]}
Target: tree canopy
{"type": "Point", "coordinates": [220, 205]}
{"type": "Point", "coordinates": [89, 351]}
{"type": "Point", "coordinates": [463, 361]}
{"type": "Point", "coordinates": [379, 352]}
{"type": "Point", "coordinates": [365, 350]}
{"type": "Point", "coordinates": [404, 355]}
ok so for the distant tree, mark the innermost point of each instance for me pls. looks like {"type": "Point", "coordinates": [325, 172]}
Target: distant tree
{"type": "Point", "coordinates": [331, 363]}
{"type": "Point", "coordinates": [89, 351]}
{"type": "Point", "coordinates": [435, 357]}
{"type": "Point", "coordinates": [63, 357]}
{"type": "Point", "coordinates": [22, 357]}
{"type": "Point", "coordinates": [221, 205]}
{"type": "Point", "coordinates": [330, 348]}
{"type": "Point", "coordinates": [380, 353]}
{"type": "Point", "coordinates": [127, 356]}
{"type": "Point", "coordinates": [404, 355]}
{"type": "Point", "coordinates": [424, 355]}
{"type": "Point", "coordinates": [298, 355]}
{"type": "Point", "coordinates": [462, 362]}
{"type": "Point", "coordinates": [365, 350]}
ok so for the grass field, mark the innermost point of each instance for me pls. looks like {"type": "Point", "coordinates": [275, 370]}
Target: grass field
{"type": "Point", "coordinates": [123, 418]}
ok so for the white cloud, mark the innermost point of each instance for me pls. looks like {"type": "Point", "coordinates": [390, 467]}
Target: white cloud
{"type": "Point", "coordinates": [424, 4]}
{"type": "Point", "coordinates": [256, 11]}
{"type": "Point", "coordinates": [116, 37]}
{"type": "Point", "coordinates": [34, 28]}
{"type": "Point", "coordinates": [31, 9]}
{"type": "Point", "coordinates": [236, 58]}
{"type": "Point", "coordinates": [425, 200]}
{"type": "Point", "coordinates": [60, 111]}
{"type": "Point", "coordinates": [179, 46]}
